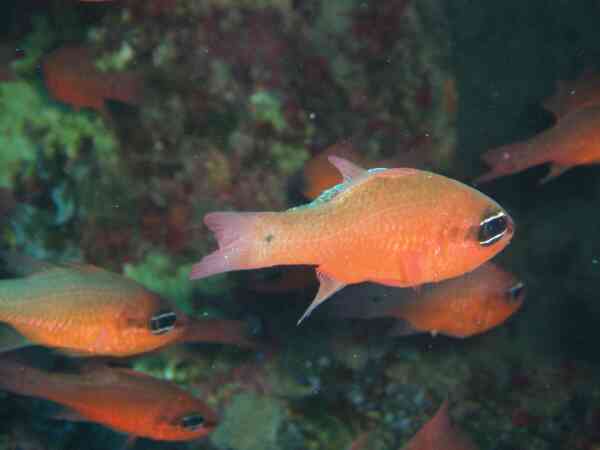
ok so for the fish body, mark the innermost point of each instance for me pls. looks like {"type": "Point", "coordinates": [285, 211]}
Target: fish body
{"type": "Point", "coordinates": [88, 311]}
{"type": "Point", "coordinates": [400, 227]}
{"type": "Point", "coordinates": [573, 141]}
{"type": "Point", "coordinates": [464, 306]}
{"type": "Point", "coordinates": [574, 95]}
{"type": "Point", "coordinates": [72, 77]}
{"type": "Point", "coordinates": [459, 307]}
{"type": "Point", "coordinates": [122, 399]}
{"type": "Point", "coordinates": [440, 434]}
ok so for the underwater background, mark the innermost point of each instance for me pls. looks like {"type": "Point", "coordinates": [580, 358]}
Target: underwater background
{"type": "Point", "coordinates": [162, 111]}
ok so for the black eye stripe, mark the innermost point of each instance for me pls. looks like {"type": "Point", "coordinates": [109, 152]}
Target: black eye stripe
{"type": "Point", "coordinates": [492, 229]}
{"type": "Point", "coordinates": [192, 422]}
{"type": "Point", "coordinates": [163, 322]}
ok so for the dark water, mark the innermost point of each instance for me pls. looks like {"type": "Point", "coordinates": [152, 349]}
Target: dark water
{"type": "Point", "coordinates": [112, 153]}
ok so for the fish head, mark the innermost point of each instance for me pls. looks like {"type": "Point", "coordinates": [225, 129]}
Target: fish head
{"type": "Point", "coordinates": [184, 418]}
{"type": "Point", "coordinates": [490, 295]}
{"type": "Point", "coordinates": [151, 323]}
{"type": "Point", "coordinates": [474, 230]}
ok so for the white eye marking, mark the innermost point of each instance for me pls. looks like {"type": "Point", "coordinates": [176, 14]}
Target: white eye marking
{"type": "Point", "coordinates": [489, 231]}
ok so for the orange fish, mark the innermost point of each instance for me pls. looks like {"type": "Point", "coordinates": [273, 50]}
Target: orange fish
{"type": "Point", "coordinates": [122, 399]}
{"type": "Point", "coordinates": [460, 307]}
{"type": "Point", "coordinates": [439, 434]}
{"type": "Point", "coordinates": [72, 77]}
{"type": "Point", "coordinates": [87, 311]}
{"type": "Point", "coordinates": [574, 95]}
{"type": "Point", "coordinates": [573, 141]}
{"type": "Point", "coordinates": [400, 227]}
{"type": "Point", "coordinates": [319, 174]}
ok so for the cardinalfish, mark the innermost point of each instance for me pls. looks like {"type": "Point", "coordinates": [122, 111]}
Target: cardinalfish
{"type": "Point", "coordinates": [72, 77]}
{"type": "Point", "coordinates": [319, 175]}
{"type": "Point", "coordinates": [399, 227]}
{"type": "Point", "coordinates": [122, 399]}
{"type": "Point", "coordinates": [573, 141]}
{"type": "Point", "coordinates": [440, 434]}
{"type": "Point", "coordinates": [574, 95]}
{"type": "Point", "coordinates": [461, 307]}
{"type": "Point", "coordinates": [87, 311]}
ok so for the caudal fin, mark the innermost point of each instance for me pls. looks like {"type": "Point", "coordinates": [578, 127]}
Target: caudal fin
{"type": "Point", "coordinates": [234, 234]}
{"type": "Point", "coordinates": [507, 160]}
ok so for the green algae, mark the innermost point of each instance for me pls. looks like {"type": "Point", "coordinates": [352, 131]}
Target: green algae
{"type": "Point", "coordinates": [265, 107]}
{"type": "Point", "coordinates": [288, 158]}
{"type": "Point", "coordinates": [29, 121]}
{"type": "Point", "coordinates": [118, 60]}
{"type": "Point", "coordinates": [160, 273]}
{"type": "Point", "coordinates": [251, 422]}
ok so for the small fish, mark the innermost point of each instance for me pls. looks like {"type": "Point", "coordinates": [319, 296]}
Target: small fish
{"type": "Point", "coordinates": [122, 399]}
{"type": "Point", "coordinates": [461, 307]}
{"type": "Point", "coordinates": [573, 141]}
{"type": "Point", "coordinates": [72, 77]}
{"type": "Point", "coordinates": [439, 434]}
{"type": "Point", "coordinates": [399, 227]}
{"type": "Point", "coordinates": [574, 95]}
{"type": "Point", "coordinates": [86, 311]}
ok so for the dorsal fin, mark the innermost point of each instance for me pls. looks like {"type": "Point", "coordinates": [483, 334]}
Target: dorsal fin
{"type": "Point", "coordinates": [348, 169]}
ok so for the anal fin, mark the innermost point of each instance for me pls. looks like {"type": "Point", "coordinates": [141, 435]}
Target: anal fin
{"type": "Point", "coordinates": [555, 171]}
{"type": "Point", "coordinates": [327, 287]}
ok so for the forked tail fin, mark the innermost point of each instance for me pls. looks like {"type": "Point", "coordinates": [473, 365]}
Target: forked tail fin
{"type": "Point", "coordinates": [510, 159]}
{"type": "Point", "coordinates": [234, 234]}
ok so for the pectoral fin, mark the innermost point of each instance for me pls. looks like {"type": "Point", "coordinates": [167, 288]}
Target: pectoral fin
{"type": "Point", "coordinates": [327, 287]}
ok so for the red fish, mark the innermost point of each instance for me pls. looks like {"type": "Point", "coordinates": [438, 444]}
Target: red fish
{"type": "Point", "coordinates": [72, 77]}
{"type": "Point", "coordinates": [460, 307]}
{"type": "Point", "coordinates": [573, 141]}
{"type": "Point", "coordinates": [439, 434]}
{"type": "Point", "coordinates": [122, 399]}
{"type": "Point", "coordinates": [400, 227]}
{"type": "Point", "coordinates": [87, 311]}
{"type": "Point", "coordinates": [574, 95]}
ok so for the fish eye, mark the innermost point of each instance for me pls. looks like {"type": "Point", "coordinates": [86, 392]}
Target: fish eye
{"type": "Point", "coordinates": [516, 292]}
{"type": "Point", "coordinates": [192, 422]}
{"type": "Point", "coordinates": [163, 322]}
{"type": "Point", "coordinates": [492, 229]}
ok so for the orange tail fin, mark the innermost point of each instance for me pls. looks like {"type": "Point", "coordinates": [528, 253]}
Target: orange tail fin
{"type": "Point", "coordinates": [234, 233]}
